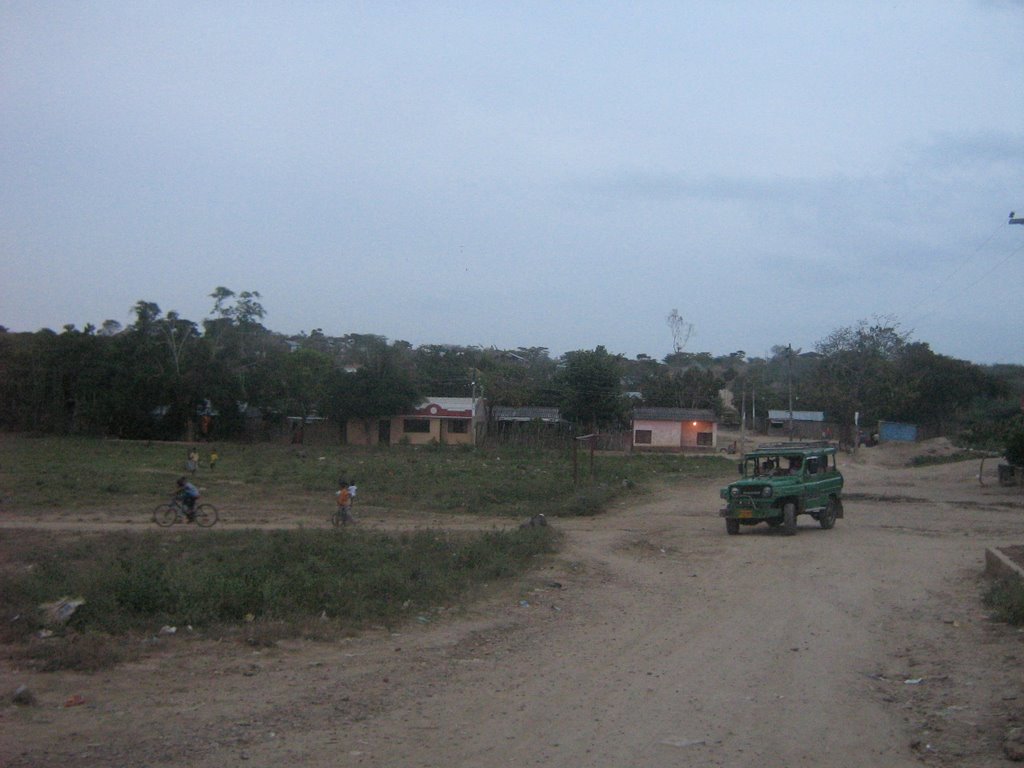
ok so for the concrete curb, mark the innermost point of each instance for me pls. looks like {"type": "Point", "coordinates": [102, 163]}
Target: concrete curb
{"type": "Point", "coordinates": [999, 566]}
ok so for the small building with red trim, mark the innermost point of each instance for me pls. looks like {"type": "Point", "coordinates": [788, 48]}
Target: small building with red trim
{"type": "Point", "coordinates": [437, 420]}
{"type": "Point", "coordinates": [441, 420]}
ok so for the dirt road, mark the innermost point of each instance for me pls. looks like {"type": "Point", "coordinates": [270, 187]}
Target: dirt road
{"type": "Point", "coordinates": [654, 639]}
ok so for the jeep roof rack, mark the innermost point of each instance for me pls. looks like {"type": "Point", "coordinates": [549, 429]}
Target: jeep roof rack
{"type": "Point", "coordinates": [794, 446]}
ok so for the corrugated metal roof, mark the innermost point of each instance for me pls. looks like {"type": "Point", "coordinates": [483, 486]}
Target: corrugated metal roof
{"type": "Point", "coordinates": [525, 413]}
{"type": "Point", "coordinates": [449, 403]}
{"type": "Point", "coordinates": [674, 414]}
{"type": "Point", "coordinates": [444, 407]}
{"type": "Point", "coordinates": [797, 415]}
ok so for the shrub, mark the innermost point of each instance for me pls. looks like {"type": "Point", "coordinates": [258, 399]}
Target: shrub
{"type": "Point", "coordinates": [1006, 598]}
{"type": "Point", "coordinates": [588, 501]}
{"type": "Point", "coordinates": [1015, 445]}
{"type": "Point", "coordinates": [86, 652]}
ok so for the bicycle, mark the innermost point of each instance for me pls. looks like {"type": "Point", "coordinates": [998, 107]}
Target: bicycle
{"type": "Point", "coordinates": [174, 512]}
{"type": "Point", "coordinates": [342, 516]}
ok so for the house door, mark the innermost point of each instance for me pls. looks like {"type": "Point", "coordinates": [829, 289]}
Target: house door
{"type": "Point", "coordinates": [384, 431]}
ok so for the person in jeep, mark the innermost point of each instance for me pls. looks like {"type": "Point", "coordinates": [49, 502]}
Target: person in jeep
{"type": "Point", "coordinates": [781, 481]}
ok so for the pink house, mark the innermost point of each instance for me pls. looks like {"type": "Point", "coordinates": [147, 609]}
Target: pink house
{"type": "Point", "coordinates": [674, 429]}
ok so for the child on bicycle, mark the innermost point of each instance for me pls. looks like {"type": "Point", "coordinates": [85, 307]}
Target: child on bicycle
{"type": "Point", "coordinates": [187, 494]}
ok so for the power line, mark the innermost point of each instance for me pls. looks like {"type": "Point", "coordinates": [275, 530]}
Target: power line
{"type": "Point", "coordinates": [967, 288]}
{"type": "Point", "coordinates": [958, 267]}
{"type": "Point", "coordinates": [1010, 255]}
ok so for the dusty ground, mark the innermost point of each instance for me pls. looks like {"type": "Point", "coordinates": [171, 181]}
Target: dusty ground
{"type": "Point", "coordinates": [653, 639]}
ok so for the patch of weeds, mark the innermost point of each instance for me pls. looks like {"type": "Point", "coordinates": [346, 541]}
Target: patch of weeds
{"type": "Point", "coordinates": [267, 634]}
{"type": "Point", "coordinates": [588, 501]}
{"type": "Point", "coordinates": [83, 652]}
{"type": "Point", "coordinates": [953, 458]}
{"type": "Point", "coordinates": [1006, 599]}
{"type": "Point", "coordinates": [269, 584]}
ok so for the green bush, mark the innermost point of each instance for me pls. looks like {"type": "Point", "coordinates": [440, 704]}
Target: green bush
{"type": "Point", "coordinates": [588, 501]}
{"type": "Point", "coordinates": [1015, 445]}
{"type": "Point", "coordinates": [1006, 598]}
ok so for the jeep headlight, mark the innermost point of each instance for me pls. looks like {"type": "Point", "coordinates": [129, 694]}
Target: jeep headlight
{"type": "Point", "coordinates": [767, 491]}
{"type": "Point", "coordinates": [734, 491]}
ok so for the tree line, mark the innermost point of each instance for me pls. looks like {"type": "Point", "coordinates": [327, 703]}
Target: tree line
{"type": "Point", "coordinates": [161, 374]}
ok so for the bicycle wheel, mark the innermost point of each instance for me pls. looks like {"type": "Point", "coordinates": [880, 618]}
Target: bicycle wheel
{"type": "Point", "coordinates": [206, 515]}
{"type": "Point", "coordinates": [165, 515]}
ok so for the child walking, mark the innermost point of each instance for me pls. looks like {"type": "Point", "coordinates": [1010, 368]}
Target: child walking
{"type": "Point", "coordinates": [344, 496]}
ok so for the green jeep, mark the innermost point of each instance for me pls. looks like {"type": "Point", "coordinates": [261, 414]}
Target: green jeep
{"type": "Point", "coordinates": [781, 481]}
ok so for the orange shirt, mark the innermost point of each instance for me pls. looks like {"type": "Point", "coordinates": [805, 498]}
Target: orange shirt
{"type": "Point", "coordinates": [344, 497]}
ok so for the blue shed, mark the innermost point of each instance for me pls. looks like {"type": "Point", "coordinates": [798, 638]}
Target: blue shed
{"type": "Point", "coordinates": [893, 431]}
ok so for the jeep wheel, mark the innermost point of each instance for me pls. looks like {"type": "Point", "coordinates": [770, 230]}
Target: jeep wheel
{"type": "Point", "coordinates": [789, 518]}
{"type": "Point", "coordinates": [828, 518]}
{"type": "Point", "coordinates": [732, 527]}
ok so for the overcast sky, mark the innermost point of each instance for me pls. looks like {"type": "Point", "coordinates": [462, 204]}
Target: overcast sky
{"type": "Point", "coordinates": [551, 174]}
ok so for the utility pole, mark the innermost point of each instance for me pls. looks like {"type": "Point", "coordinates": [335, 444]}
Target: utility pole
{"type": "Point", "coordinates": [743, 421]}
{"type": "Point", "coordinates": [789, 377]}
{"type": "Point", "coordinates": [753, 406]}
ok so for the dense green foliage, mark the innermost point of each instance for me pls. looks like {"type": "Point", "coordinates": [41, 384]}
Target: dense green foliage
{"type": "Point", "coordinates": [875, 371]}
{"type": "Point", "coordinates": [1015, 442]}
{"type": "Point", "coordinates": [592, 392]}
{"type": "Point", "coordinates": [161, 375]}
{"type": "Point", "coordinates": [158, 377]}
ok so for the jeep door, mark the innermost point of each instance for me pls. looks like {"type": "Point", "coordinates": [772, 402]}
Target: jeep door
{"type": "Point", "coordinates": [819, 481]}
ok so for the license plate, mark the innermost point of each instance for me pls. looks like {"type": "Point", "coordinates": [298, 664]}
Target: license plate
{"type": "Point", "coordinates": [746, 513]}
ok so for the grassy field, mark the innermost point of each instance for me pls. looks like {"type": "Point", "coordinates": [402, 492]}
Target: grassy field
{"type": "Point", "coordinates": [70, 474]}
{"type": "Point", "coordinates": [259, 584]}
{"type": "Point", "coordinates": [254, 585]}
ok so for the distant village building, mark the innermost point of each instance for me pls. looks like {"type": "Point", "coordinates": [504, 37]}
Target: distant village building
{"type": "Point", "coordinates": [809, 425]}
{"type": "Point", "coordinates": [437, 420]}
{"type": "Point", "coordinates": [674, 429]}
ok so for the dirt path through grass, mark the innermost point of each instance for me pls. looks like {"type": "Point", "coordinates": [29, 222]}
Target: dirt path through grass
{"type": "Point", "coordinates": [653, 639]}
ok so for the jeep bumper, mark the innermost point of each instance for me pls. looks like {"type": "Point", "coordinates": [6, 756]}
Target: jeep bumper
{"type": "Point", "coordinates": [747, 513]}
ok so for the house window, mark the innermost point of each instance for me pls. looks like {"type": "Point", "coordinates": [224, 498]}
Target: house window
{"type": "Point", "coordinates": [704, 439]}
{"type": "Point", "coordinates": [458, 427]}
{"type": "Point", "coordinates": [642, 437]}
{"type": "Point", "coordinates": [416, 425]}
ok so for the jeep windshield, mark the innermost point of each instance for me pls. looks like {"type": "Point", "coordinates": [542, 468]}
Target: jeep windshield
{"type": "Point", "coordinates": [789, 459]}
{"type": "Point", "coordinates": [772, 466]}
